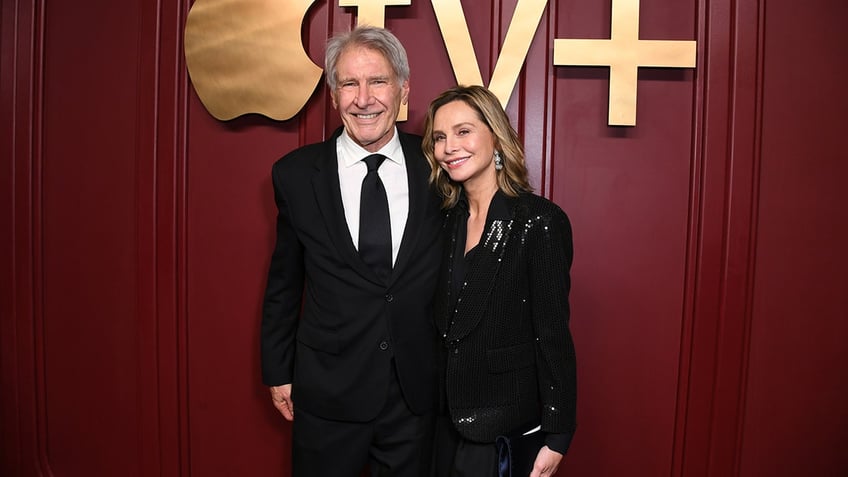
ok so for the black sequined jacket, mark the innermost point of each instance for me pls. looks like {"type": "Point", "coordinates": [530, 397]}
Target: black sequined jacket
{"type": "Point", "coordinates": [508, 354]}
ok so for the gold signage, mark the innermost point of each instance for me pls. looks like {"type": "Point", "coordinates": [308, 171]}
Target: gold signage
{"type": "Point", "coordinates": [624, 53]}
{"type": "Point", "coordinates": [373, 12]}
{"type": "Point", "coordinates": [516, 44]}
{"type": "Point", "coordinates": [246, 56]}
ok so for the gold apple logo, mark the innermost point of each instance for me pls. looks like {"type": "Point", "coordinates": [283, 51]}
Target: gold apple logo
{"type": "Point", "coordinates": [246, 56]}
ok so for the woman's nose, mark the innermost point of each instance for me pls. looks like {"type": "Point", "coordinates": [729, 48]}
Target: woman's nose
{"type": "Point", "coordinates": [450, 146]}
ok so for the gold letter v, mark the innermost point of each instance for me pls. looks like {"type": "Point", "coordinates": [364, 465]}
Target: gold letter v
{"type": "Point", "coordinates": [522, 28]}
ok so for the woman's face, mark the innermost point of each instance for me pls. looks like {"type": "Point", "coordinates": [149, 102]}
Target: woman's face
{"type": "Point", "coordinates": [463, 145]}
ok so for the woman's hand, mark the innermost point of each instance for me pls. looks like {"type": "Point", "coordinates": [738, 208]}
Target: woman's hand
{"type": "Point", "coordinates": [547, 463]}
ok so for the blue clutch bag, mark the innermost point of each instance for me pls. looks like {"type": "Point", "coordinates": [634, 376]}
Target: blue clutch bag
{"type": "Point", "coordinates": [516, 454]}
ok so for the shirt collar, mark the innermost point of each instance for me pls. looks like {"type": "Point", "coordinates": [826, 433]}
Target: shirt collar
{"type": "Point", "coordinates": [499, 207]}
{"type": "Point", "coordinates": [350, 152]}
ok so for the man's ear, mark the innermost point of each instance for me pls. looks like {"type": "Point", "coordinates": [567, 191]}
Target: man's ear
{"type": "Point", "coordinates": [404, 95]}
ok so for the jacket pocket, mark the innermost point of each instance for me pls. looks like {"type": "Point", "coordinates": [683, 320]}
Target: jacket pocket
{"type": "Point", "coordinates": [502, 360]}
{"type": "Point", "coordinates": [317, 338]}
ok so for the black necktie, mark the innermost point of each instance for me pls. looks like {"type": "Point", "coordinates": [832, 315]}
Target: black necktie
{"type": "Point", "coordinates": [375, 231]}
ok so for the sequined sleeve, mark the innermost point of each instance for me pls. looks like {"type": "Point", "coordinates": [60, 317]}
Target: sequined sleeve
{"type": "Point", "coordinates": [551, 253]}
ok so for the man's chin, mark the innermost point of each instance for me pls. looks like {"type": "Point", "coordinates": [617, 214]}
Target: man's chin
{"type": "Point", "coordinates": [365, 137]}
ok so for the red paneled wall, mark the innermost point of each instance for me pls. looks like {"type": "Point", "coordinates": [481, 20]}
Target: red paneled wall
{"type": "Point", "coordinates": [709, 285]}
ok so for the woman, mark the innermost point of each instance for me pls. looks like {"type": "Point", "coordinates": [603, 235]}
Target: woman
{"type": "Point", "coordinates": [507, 364]}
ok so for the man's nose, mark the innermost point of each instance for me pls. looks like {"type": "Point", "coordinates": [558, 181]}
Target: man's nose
{"type": "Point", "coordinates": [363, 95]}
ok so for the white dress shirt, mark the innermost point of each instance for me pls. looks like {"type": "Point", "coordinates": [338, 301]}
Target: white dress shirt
{"type": "Point", "coordinates": [393, 174]}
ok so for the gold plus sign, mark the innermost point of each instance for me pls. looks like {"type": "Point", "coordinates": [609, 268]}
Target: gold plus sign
{"type": "Point", "coordinates": [624, 53]}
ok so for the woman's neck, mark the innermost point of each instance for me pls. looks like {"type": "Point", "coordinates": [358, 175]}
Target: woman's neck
{"type": "Point", "coordinates": [479, 198]}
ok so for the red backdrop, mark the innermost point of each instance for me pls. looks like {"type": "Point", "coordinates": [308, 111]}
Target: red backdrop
{"type": "Point", "coordinates": [709, 299]}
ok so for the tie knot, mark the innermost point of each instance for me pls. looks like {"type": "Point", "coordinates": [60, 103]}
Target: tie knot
{"type": "Point", "coordinates": [373, 161]}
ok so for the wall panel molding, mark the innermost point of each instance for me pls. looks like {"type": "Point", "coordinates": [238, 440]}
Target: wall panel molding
{"type": "Point", "coordinates": [724, 236]}
{"type": "Point", "coordinates": [21, 74]}
{"type": "Point", "coordinates": [161, 164]}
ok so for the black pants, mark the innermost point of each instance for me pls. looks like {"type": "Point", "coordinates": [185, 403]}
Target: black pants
{"type": "Point", "coordinates": [397, 443]}
{"type": "Point", "coordinates": [454, 456]}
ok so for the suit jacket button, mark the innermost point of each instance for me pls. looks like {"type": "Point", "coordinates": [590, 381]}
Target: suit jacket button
{"type": "Point", "coordinates": [390, 297]}
{"type": "Point", "coordinates": [384, 346]}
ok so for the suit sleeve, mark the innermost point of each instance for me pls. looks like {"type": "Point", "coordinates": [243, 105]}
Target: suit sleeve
{"type": "Point", "coordinates": [283, 294]}
{"type": "Point", "coordinates": [550, 283]}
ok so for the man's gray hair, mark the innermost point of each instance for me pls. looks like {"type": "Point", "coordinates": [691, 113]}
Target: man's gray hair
{"type": "Point", "coordinates": [372, 38]}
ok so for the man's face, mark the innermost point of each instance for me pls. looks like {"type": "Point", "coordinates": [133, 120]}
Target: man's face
{"type": "Point", "coordinates": [368, 96]}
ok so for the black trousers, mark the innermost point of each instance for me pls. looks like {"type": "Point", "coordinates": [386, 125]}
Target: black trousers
{"type": "Point", "coordinates": [454, 456]}
{"type": "Point", "coordinates": [397, 443]}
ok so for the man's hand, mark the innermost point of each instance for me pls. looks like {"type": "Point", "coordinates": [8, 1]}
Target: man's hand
{"type": "Point", "coordinates": [547, 462]}
{"type": "Point", "coordinates": [281, 397]}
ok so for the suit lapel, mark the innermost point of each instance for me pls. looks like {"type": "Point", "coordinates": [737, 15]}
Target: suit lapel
{"type": "Point", "coordinates": [328, 196]}
{"type": "Point", "coordinates": [417, 172]}
{"type": "Point", "coordinates": [481, 276]}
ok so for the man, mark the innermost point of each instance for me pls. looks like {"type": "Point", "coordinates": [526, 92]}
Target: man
{"type": "Point", "coordinates": [347, 336]}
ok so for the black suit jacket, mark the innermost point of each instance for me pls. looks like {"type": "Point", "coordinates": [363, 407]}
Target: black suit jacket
{"type": "Point", "coordinates": [330, 326]}
{"type": "Point", "coordinates": [509, 357]}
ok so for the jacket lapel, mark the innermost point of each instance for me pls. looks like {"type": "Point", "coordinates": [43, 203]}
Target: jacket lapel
{"type": "Point", "coordinates": [417, 171]}
{"type": "Point", "coordinates": [328, 196]}
{"type": "Point", "coordinates": [480, 278]}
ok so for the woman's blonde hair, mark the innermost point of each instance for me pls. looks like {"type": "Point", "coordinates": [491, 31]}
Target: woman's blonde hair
{"type": "Point", "coordinates": [512, 179]}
